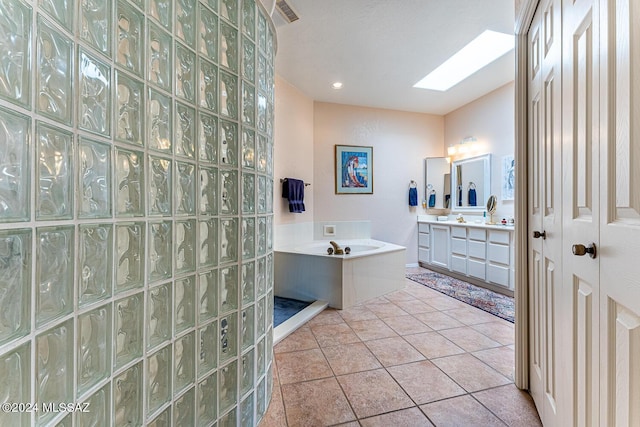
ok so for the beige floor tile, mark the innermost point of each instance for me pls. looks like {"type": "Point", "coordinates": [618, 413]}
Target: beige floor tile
{"type": "Point", "coordinates": [424, 382]}
{"type": "Point", "coordinates": [327, 317]}
{"type": "Point", "coordinates": [432, 345]}
{"type": "Point", "coordinates": [469, 372]}
{"type": "Point", "coordinates": [275, 415]}
{"type": "Point", "coordinates": [302, 339]}
{"type": "Point", "coordinates": [388, 309]}
{"type": "Point", "coordinates": [415, 306]}
{"type": "Point", "coordinates": [394, 351]}
{"type": "Point", "coordinates": [357, 313]}
{"type": "Point", "coordinates": [515, 407]}
{"type": "Point", "coordinates": [399, 296]}
{"type": "Point", "coordinates": [469, 339]}
{"type": "Point", "coordinates": [316, 403]}
{"type": "Point", "coordinates": [463, 411]}
{"type": "Point", "coordinates": [350, 358]}
{"type": "Point", "coordinates": [471, 315]}
{"type": "Point", "coordinates": [438, 320]}
{"type": "Point", "coordinates": [444, 302]}
{"type": "Point", "coordinates": [335, 334]}
{"type": "Point", "coordinates": [373, 393]}
{"type": "Point", "coordinates": [372, 329]}
{"type": "Point", "coordinates": [501, 331]}
{"type": "Point", "coordinates": [411, 417]}
{"type": "Point", "coordinates": [502, 359]}
{"type": "Point", "coordinates": [406, 325]}
{"type": "Point", "coordinates": [304, 365]}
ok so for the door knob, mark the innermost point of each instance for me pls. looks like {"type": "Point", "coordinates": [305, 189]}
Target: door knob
{"type": "Point", "coordinates": [537, 235]}
{"type": "Point", "coordinates": [581, 250]}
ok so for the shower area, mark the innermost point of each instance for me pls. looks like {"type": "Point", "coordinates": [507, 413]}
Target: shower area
{"type": "Point", "coordinates": [136, 211]}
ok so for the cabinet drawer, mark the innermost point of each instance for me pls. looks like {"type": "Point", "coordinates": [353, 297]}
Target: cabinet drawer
{"type": "Point", "coordinates": [498, 274]}
{"type": "Point", "coordinates": [423, 240]}
{"type": "Point", "coordinates": [499, 236]}
{"type": "Point", "coordinates": [477, 249]}
{"type": "Point", "coordinates": [424, 255]}
{"type": "Point", "coordinates": [459, 232]}
{"type": "Point", "coordinates": [423, 228]}
{"type": "Point", "coordinates": [459, 246]}
{"type": "Point", "coordinates": [459, 264]}
{"type": "Point", "coordinates": [477, 234]}
{"type": "Point", "coordinates": [499, 253]}
{"type": "Point", "coordinates": [476, 269]}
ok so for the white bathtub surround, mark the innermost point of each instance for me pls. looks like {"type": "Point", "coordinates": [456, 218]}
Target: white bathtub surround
{"type": "Point", "coordinates": [306, 272]}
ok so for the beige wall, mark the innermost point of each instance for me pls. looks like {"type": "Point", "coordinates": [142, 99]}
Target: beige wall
{"type": "Point", "coordinates": [491, 120]}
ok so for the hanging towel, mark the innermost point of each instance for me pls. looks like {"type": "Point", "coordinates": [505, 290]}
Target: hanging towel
{"type": "Point", "coordinates": [432, 199]}
{"type": "Point", "coordinates": [459, 195]}
{"type": "Point", "coordinates": [413, 194]}
{"type": "Point", "coordinates": [293, 191]}
{"type": "Point", "coordinates": [472, 195]}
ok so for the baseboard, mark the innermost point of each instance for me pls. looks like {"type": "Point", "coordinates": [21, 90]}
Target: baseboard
{"type": "Point", "coordinates": [471, 280]}
{"type": "Point", "coordinates": [412, 265]}
{"type": "Point", "coordinates": [290, 325]}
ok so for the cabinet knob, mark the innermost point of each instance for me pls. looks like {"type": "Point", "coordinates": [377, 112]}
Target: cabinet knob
{"type": "Point", "coordinates": [537, 235]}
{"type": "Point", "coordinates": [581, 250]}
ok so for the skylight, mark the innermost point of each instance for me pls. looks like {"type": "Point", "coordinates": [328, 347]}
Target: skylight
{"type": "Point", "coordinates": [480, 52]}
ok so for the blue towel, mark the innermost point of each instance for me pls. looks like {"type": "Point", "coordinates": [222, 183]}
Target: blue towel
{"type": "Point", "coordinates": [413, 197]}
{"type": "Point", "coordinates": [293, 191]}
{"type": "Point", "coordinates": [459, 195]}
{"type": "Point", "coordinates": [432, 199]}
{"type": "Point", "coordinates": [472, 197]}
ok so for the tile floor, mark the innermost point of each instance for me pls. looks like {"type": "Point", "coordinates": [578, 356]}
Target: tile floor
{"type": "Point", "coordinates": [412, 358]}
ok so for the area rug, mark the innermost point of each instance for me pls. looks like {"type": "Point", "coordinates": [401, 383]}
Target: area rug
{"type": "Point", "coordinates": [285, 308]}
{"type": "Point", "coordinates": [484, 299]}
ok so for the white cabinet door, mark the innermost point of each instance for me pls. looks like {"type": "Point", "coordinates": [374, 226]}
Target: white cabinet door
{"type": "Point", "coordinates": [440, 245]}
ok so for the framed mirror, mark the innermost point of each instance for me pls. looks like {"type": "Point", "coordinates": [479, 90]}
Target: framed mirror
{"type": "Point", "coordinates": [470, 183]}
{"type": "Point", "coordinates": [435, 192]}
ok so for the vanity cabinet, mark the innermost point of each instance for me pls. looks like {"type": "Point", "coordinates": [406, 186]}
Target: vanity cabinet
{"type": "Point", "coordinates": [478, 253]}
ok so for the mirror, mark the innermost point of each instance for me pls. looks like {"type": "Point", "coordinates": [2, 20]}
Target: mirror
{"type": "Point", "coordinates": [470, 183]}
{"type": "Point", "coordinates": [492, 204]}
{"type": "Point", "coordinates": [435, 169]}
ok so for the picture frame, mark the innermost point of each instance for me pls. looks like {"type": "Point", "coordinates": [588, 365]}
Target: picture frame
{"type": "Point", "coordinates": [353, 169]}
{"type": "Point", "coordinates": [508, 178]}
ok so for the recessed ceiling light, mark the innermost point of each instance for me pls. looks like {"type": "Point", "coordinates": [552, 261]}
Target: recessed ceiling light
{"type": "Point", "coordinates": [337, 85]}
{"type": "Point", "coordinates": [481, 51]}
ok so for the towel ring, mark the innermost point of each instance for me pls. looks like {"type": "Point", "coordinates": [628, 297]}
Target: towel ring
{"type": "Point", "coordinates": [413, 184]}
{"type": "Point", "coordinates": [472, 186]}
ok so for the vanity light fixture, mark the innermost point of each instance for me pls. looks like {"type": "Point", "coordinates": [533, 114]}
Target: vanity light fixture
{"type": "Point", "coordinates": [480, 52]}
{"type": "Point", "coordinates": [337, 85]}
{"type": "Point", "coordinates": [466, 146]}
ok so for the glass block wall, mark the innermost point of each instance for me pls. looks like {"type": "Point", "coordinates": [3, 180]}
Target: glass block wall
{"type": "Point", "coordinates": [136, 202]}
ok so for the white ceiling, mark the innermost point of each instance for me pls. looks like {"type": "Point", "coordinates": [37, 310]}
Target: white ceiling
{"type": "Point", "coordinates": [380, 48]}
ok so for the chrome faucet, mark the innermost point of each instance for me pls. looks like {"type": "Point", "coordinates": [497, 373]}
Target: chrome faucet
{"type": "Point", "coordinates": [336, 248]}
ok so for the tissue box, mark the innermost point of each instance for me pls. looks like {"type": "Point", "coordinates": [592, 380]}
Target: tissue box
{"type": "Point", "coordinates": [443, 218]}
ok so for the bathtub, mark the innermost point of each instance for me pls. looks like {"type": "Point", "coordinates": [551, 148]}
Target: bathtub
{"type": "Point", "coordinates": [306, 272]}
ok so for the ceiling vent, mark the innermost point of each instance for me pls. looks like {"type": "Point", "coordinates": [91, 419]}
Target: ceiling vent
{"type": "Point", "coordinates": [286, 11]}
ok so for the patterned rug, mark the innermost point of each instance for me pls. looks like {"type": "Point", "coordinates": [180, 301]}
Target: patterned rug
{"type": "Point", "coordinates": [484, 299]}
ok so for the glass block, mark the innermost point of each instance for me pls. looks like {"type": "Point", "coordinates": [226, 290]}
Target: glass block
{"type": "Point", "coordinates": [94, 347]}
{"type": "Point", "coordinates": [100, 409]}
{"type": "Point", "coordinates": [229, 240]}
{"type": "Point", "coordinates": [185, 131]}
{"type": "Point", "coordinates": [54, 367]}
{"type": "Point", "coordinates": [60, 10]}
{"type": "Point", "coordinates": [186, 21]}
{"type": "Point", "coordinates": [269, 156]}
{"type": "Point", "coordinates": [248, 238]}
{"type": "Point", "coordinates": [229, 10]}
{"type": "Point", "coordinates": [54, 151]}
{"type": "Point", "coordinates": [15, 154]}
{"type": "Point", "coordinates": [261, 276]}
{"type": "Point", "coordinates": [262, 236]}
{"type": "Point", "coordinates": [208, 238]}
{"type": "Point", "coordinates": [94, 171]}
{"type": "Point", "coordinates": [15, 371]}
{"type": "Point", "coordinates": [262, 112]}
{"type": "Point", "coordinates": [248, 104]}
{"type": "Point", "coordinates": [128, 313]}
{"type": "Point", "coordinates": [228, 286]}
{"type": "Point", "coordinates": [159, 315]}
{"type": "Point", "coordinates": [270, 46]}
{"type": "Point", "coordinates": [262, 194]}
{"type": "Point", "coordinates": [15, 33]}
{"type": "Point", "coordinates": [15, 284]}
{"type": "Point", "coordinates": [161, 10]}
{"type": "Point", "coordinates": [246, 372]}
{"type": "Point", "coordinates": [160, 186]}
{"type": "Point", "coordinates": [247, 331]}
{"type": "Point", "coordinates": [229, 47]}
{"type": "Point", "coordinates": [262, 153]}
{"type": "Point", "coordinates": [207, 295]}
{"type": "Point", "coordinates": [269, 119]}
{"type": "Point", "coordinates": [130, 117]}
{"type": "Point", "coordinates": [130, 33]}
{"type": "Point", "coordinates": [186, 246]}
{"type": "Point", "coordinates": [159, 69]}
{"type": "Point", "coordinates": [66, 421]}
{"type": "Point", "coordinates": [248, 148]}
{"type": "Point", "coordinates": [185, 73]}
{"type": "Point", "coordinates": [228, 95]}
{"type": "Point", "coordinates": [127, 397]}
{"type": "Point", "coordinates": [185, 302]}
{"type": "Point", "coordinates": [54, 273]}
{"type": "Point", "coordinates": [269, 273]}
{"type": "Point", "coordinates": [249, 18]}
{"type": "Point", "coordinates": [159, 378]}
{"type": "Point", "coordinates": [246, 411]}
{"type": "Point", "coordinates": [213, 4]}
{"type": "Point", "coordinates": [94, 107]}
{"type": "Point", "coordinates": [248, 283]}
{"type": "Point", "coordinates": [228, 143]}
{"type": "Point", "coordinates": [160, 250]}
{"type": "Point", "coordinates": [208, 85]}
{"type": "Point", "coordinates": [228, 347]}
{"type": "Point", "coordinates": [208, 352]}
{"type": "Point", "coordinates": [262, 32]}
{"type": "Point", "coordinates": [270, 85]}
{"type": "Point", "coordinates": [260, 365]}
{"type": "Point", "coordinates": [184, 362]}
{"type": "Point", "coordinates": [261, 316]}
{"type": "Point", "coordinates": [95, 262]}
{"type": "Point", "coordinates": [261, 403]}
{"type": "Point", "coordinates": [248, 193]}
{"type": "Point", "coordinates": [208, 138]}
{"type": "Point", "coordinates": [161, 420]}
{"type": "Point", "coordinates": [207, 400]}
{"type": "Point", "coordinates": [130, 244]}
{"type": "Point", "coordinates": [248, 60]}
{"type": "Point", "coordinates": [208, 191]}
{"type": "Point", "coordinates": [229, 192]}
{"type": "Point", "coordinates": [269, 229]}
{"type": "Point", "coordinates": [186, 189]}
{"type": "Point", "coordinates": [208, 34]}
{"type": "Point", "coordinates": [227, 386]}
{"type": "Point", "coordinates": [160, 121]}
{"type": "Point", "coordinates": [130, 183]}
{"type": "Point", "coordinates": [269, 318]}
{"type": "Point", "coordinates": [184, 410]}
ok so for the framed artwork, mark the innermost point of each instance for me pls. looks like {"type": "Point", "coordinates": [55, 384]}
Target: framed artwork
{"type": "Point", "coordinates": [354, 169]}
{"type": "Point", "coordinates": [508, 177]}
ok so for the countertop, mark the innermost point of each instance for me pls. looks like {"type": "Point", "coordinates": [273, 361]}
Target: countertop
{"type": "Point", "coordinates": [471, 222]}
